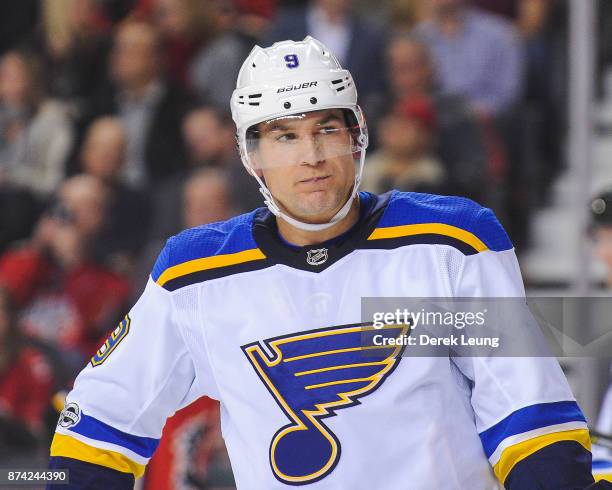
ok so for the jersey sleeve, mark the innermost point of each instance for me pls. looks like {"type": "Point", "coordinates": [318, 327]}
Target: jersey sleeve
{"type": "Point", "coordinates": [141, 375]}
{"type": "Point", "coordinates": [531, 428]}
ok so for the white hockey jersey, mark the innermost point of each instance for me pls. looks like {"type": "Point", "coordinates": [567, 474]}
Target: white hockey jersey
{"type": "Point", "coordinates": [271, 331]}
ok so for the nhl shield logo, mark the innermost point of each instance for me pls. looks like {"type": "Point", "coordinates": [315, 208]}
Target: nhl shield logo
{"type": "Point", "coordinates": [317, 256]}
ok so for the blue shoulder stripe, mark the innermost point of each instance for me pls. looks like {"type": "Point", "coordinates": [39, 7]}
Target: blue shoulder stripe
{"type": "Point", "coordinates": [530, 418]}
{"type": "Point", "coordinates": [94, 429]}
{"type": "Point", "coordinates": [222, 238]}
{"type": "Point", "coordinates": [413, 208]}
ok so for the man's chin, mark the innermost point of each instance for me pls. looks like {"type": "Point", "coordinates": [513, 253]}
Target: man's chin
{"type": "Point", "coordinates": [317, 213]}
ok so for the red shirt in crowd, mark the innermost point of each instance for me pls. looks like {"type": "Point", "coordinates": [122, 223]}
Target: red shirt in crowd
{"type": "Point", "coordinates": [69, 309]}
{"type": "Point", "coordinates": [25, 389]}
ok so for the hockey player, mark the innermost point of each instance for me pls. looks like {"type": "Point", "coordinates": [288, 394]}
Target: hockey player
{"type": "Point", "coordinates": [263, 312]}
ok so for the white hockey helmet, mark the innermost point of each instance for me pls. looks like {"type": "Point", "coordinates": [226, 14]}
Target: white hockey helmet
{"type": "Point", "coordinates": [288, 78]}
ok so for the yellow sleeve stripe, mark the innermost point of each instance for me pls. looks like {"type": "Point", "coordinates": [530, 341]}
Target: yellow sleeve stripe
{"type": "Point", "coordinates": [207, 263]}
{"type": "Point", "coordinates": [603, 476]}
{"type": "Point", "coordinates": [517, 452]}
{"type": "Point", "coordinates": [429, 228]}
{"type": "Point", "coordinates": [68, 447]}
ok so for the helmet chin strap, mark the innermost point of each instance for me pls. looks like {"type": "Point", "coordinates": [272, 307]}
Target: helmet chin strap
{"type": "Point", "coordinates": [341, 214]}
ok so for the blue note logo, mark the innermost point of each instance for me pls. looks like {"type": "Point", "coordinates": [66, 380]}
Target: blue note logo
{"type": "Point", "coordinates": [311, 375]}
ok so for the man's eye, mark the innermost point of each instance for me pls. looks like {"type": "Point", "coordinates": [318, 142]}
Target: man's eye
{"type": "Point", "coordinates": [286, 137]}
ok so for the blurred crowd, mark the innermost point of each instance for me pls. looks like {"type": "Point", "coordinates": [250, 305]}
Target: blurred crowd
{"type": "Point", "coordinates": [115, 133]}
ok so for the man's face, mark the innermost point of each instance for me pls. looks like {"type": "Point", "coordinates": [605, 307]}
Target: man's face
{"type": "Point", "coordinates": [206, 138]}
{"type": "Point", "coordinates": [134, 58]}
{"type": "Point", "coordinates": [85, 199]}
{"type": "Point", "coordinates": [104, 149]}
{"type": "Point", "coordinates": [14, 79]}
{"type": "Point", "coordinates": [307, 163]}
{"type": "Point", "coordinates": [205, 200]}
{"type": "Point", "coordinates": [403, 136]}
{"type": "Point", "coordinates": [409, 68]}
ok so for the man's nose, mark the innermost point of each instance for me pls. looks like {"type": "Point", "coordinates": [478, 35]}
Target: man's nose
{"type": "Point", "coordinates": [310, 151]}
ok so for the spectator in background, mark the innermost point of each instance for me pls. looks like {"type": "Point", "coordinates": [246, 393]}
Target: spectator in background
{"type": "Point", "coordinates": [405, 160]}
{"type": "Point", "coordinates": [208, 136]}
{"type": "Point", "coordinates": [76, 44]}
{"type": "Point", "coordinates": [151, 109]}
{"type": "Point", "coordinates": [184, 26]}
{"type": "Point", "coordinates": [541, 25]}
{"type": "Point", "coordinates": [215, 68]}
{"type": "Point", "coordinates": [124, 233]}
{"type": "Point", "coordinates": [206, 198]}
{"type": "Point", "coordinates": [460, 144]}
{"type": "Point", "coordinates": [26, 383]}
{"type": "Point", "coordinates": [35, 132]}
{"type": "Point", "coordinates": [403, 15]}
{"type": "Point", "coordinates": [255, 17]}
{"type": "Point", "coordinates": [475, 54]}
{"type": "Point", "coordinates": [529, 16]}
{"type": "Point", "coordinates": [358, 44]}
{"type": "Point", "coordinates": [65, 299]}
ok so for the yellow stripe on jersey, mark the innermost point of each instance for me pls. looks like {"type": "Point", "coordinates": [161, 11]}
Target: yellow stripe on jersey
{"type": "Point", "coordinates": [69, 447]}
{"type": "Point", "coordinates": [429, 228]}
{"type": "Point", "coordinates": [208, 263]}
{"type": "Point", "coordinates": [517, 452]}
{"type": "Point", "coordinates": [603, 476]}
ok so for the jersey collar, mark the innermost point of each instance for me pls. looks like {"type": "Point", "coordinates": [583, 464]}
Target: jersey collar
{"type": "Point", "coordinates": [318, 257]}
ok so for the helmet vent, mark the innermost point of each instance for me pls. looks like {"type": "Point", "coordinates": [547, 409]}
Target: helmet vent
{"type": "Point", "coordinates": [254, 96]}
{"type": "Point", "coordinates": [341, 83]}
